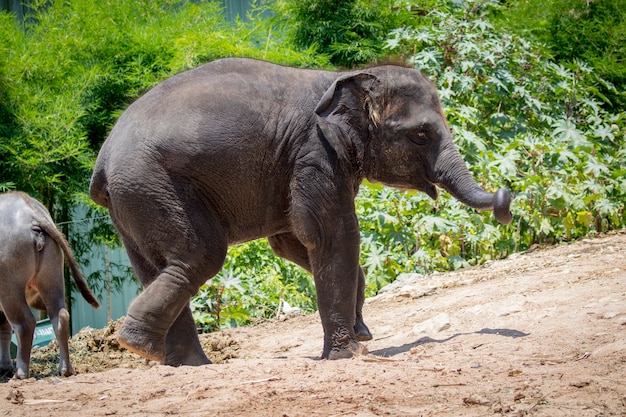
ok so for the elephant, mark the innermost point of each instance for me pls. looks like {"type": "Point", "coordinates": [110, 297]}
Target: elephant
{"type": "Point", "coordinates": [32, 250]}
{"type": "Point", "coordinates": [239, 149]}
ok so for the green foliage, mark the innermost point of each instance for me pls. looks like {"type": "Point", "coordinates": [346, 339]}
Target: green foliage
{"type": "Point", "coordinates": [252, 285]}
{"type": "Point", "coordinates": [522, 122]}
{"type": "Point", "coordinates": [592, 31]}
{"type": "Point", "coordinates": [350, 32]}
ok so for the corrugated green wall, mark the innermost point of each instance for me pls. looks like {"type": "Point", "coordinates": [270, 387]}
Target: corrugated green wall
{"type": "Point", "coordinates": [113, 305]}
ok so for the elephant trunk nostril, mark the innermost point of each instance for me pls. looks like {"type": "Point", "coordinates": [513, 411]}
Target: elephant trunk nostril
{"type": "Point", "coordinates": [501, 206]}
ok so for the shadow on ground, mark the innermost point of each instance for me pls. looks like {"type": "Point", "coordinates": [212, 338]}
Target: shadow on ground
{"type": "Point", "coordinates": [396, 350]}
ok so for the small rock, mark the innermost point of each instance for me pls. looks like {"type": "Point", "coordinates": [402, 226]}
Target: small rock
{"type": "Point", "coordinates": [401, 281]}
{"type": "Point", "coordinates": [434, 325]}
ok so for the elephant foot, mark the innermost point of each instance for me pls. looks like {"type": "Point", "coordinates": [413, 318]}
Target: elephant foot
{"type": "Point", "coordinates": [182, 345]}
{"type": "Point", "coordinates": [344, 348]}
{"type": "Point", "coordinates": [22, 373]}
{"type": "Point", "coordinates": [355, 349]}
{"type": "Point", "coordinates": [136, 337]}
{"type": "Point", "coordinates": [187, 359]}
{"type": "Point", "coordinates": [66, 370]}
{"type": "Point", "coordinates": [361, 331]}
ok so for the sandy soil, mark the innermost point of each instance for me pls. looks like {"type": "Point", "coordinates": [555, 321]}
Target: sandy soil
{"type": "Point", "coordinates": [541, 334]}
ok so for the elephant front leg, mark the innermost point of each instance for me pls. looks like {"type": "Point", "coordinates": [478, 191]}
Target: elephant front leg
{"type": "Point", "coordinates": [336, 272]}
{"type": "Point", "coordinates": [287, 245]}
{"type": "Point", "coordinates": [336, 299]}
{"type": "Point", "coordinates": [339, 338]}
{"type": "Point", "coordinates": [324, 221]}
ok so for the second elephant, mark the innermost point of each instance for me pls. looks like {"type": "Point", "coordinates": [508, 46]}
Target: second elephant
{"type": "Point", "coordinates": [31, 275]}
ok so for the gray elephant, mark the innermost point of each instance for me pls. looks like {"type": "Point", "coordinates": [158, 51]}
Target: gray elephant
{"type": "Point", "coordinates": [31, 274]}
{"type": "Point", "coordinates": [240, 149]}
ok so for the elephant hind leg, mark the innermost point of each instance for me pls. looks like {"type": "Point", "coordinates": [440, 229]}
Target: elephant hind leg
{"type": "Point", "coordinates": [60, 320]}
{"type": "Point", "coordinates": [184, 250]}
{"type": "Point", "coordinates": [23, 323]}
{"type": "Point", "coordinates": [47, 292]}
{"type": "Point", "coordinates": [182, 346]}
{"type": "Point", "coordinates": [6, 366]}
{"type": "Point", "coordinates": [288, 246]}
{"type": "Point", "coordinates": [159, 325]}
{"type": "Point", "coordinates": [140, 338]}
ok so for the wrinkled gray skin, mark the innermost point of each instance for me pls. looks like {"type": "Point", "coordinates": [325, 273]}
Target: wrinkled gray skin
{"type": "Point", "coordinates": [31, 273]}
{"type": "Point", "coordinates": [239, 149]}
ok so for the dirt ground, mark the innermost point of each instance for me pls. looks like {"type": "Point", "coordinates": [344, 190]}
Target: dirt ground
{"type": "Point", "coordinates": [541, 333]}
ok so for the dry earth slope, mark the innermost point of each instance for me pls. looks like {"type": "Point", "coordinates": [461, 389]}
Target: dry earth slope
{"type": "Point", "coordinates": [540, 333]}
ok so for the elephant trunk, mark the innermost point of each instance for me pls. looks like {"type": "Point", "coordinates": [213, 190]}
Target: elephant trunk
{"type": "Point", "coordinates": [452, 174]}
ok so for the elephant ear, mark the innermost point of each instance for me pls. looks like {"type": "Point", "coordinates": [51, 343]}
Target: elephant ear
{"type": "Point", "coordinates": [345, 89]}
{"type": "Point", "coordinates": [346, 111]}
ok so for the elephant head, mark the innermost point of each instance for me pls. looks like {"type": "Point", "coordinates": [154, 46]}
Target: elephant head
{"type": "Point", "coordinates": [388, 120]}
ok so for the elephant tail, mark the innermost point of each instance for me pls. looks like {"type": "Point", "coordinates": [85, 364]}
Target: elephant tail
{"type": "Point", "coordinates": [45, 223]}
{"type": "Point", "coordinates": [71, 262]}
{"type": "Point", "coordinates": [98, 189]}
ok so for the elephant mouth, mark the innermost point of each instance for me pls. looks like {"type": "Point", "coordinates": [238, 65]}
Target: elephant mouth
{"type": "Point", "coordinates": [424, 186]}
{"type": "Point", "coordinates": [431, 190]}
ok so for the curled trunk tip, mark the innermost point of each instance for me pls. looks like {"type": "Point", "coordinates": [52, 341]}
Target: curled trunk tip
{"type": "Point", "coordinates": [501, 206]}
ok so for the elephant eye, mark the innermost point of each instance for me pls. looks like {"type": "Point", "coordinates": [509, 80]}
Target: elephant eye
{"type": "Point", "coordinates": [420, 137]}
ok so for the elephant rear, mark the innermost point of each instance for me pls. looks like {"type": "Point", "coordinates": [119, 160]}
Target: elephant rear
{"type": "Point", "coordinates": [31, 270]}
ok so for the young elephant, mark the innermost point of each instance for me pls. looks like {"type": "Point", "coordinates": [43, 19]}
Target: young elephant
{"type": "Point", "coordinates": [31, 273]}
{"type": "Point", "coordinates": [239, 149]}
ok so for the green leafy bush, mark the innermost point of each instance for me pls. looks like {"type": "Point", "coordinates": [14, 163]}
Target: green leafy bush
{"type": "Point", "coordinates": [522, 122]}
{"type": "Point", "coordinates": [252, 285]}
{"type": "Point", "coordinates": [592, 31]}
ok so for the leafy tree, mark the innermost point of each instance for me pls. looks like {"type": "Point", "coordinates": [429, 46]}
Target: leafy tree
{"type": "Point", "coordinates": [591, 31]}
{"type": "Point", "coordinates": [350, 32]}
